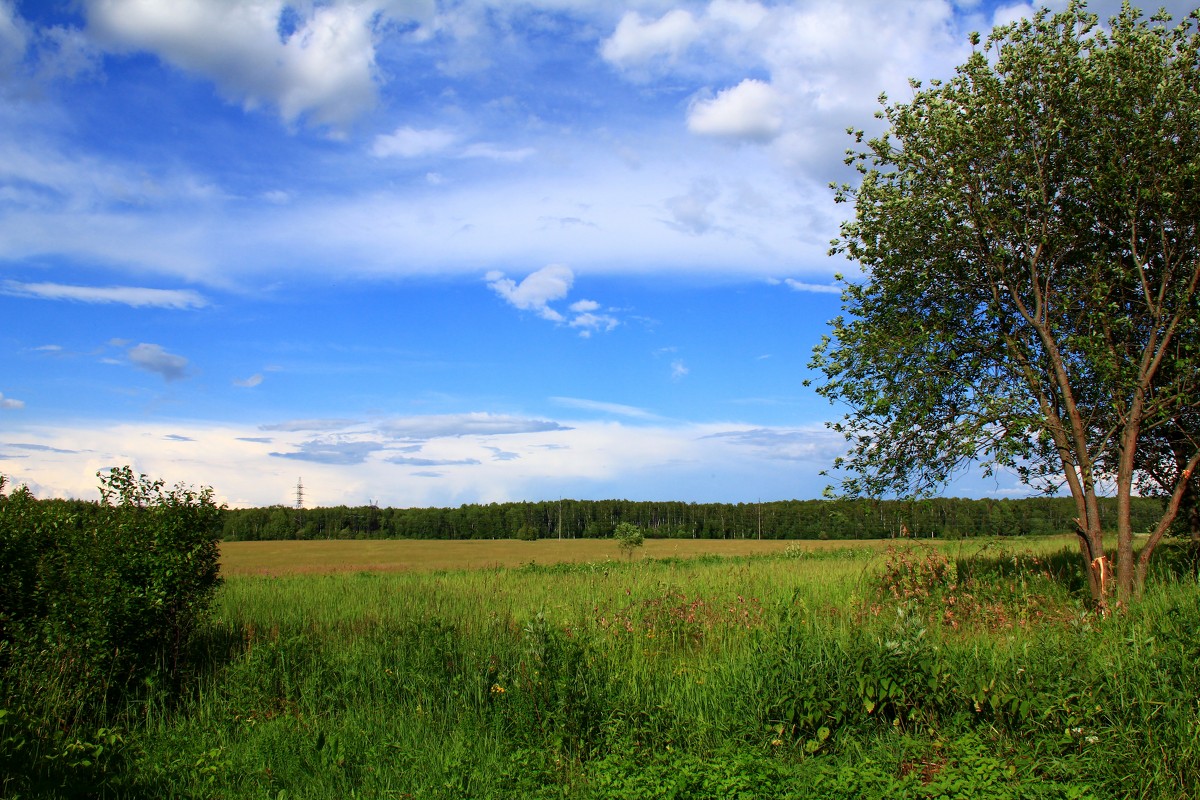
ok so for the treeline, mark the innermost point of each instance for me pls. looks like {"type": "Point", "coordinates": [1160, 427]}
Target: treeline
{"type": "Point", "coordinates": [788, 519]}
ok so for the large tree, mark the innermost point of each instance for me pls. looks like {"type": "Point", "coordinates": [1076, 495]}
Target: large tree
{"type": "Point", "coordinates": [1027, 233]}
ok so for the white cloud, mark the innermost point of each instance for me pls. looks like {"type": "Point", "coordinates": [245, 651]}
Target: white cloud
{"type": "Point", "coordinates": [540, 288]}
{"type": "Point", "coordinates": [476, 424]}
{"type": "Point", "coordinates": [13, 39]}
{"type": "Point", "coordinates": [818, 288]}
{"type": "Point", "coordinates": [322, 69]}
{"type": "Point", "coordinates": [409, 142]}
{"type": "Point", "coordinates": [738, 14]}
{"type": "Point", "coordinates": [636, 40]}
{"type": "Point", "coordinates": [135, 296]}
{"type": "Point", "coordinates": [586, 460]}
{"type": "Point", "coordinates": [10, 403]}
{"type": "Point", "coordinates": [618, 409]}
{"type": "Point", "coordinates": [251, 382]}
{"type": "Point", "coordinates": [296, 425]}
{"type": "Point", "coordinates": [153, 358]}
{"type": "Point", "coordinates": [496, 152]}
{"type": "Point", "coordinates": [679, 370]}
{"type": "Point", "coordinates": [692, 212]}
{"type": "Point", "coordinates": [750, 110]}
{"type": "Point", "coordinates": [589, 322]}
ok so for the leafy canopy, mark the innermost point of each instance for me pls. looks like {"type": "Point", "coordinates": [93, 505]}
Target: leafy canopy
{"type": "Point", "coordinates": [1027, 232]}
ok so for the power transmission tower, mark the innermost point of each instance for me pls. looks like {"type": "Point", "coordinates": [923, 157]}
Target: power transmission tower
{"type": "Point", "coordinates": [299, 504]}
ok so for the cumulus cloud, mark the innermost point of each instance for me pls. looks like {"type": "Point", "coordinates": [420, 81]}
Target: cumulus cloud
{"type": "Point", "coordinates": [135, 296]}
{"type": "Point", "coordinates": [10, 403]}
{"type": "Point", "coordinates": [587, 320]}
{"type": "Point", "coordinates": [311, 60]}
{"type": "Point", "coordinates": [409, 142]}
{"type": "Point", "coordinates": [539, 288]}
{"type": "Point", "coordinates": [153, 358]}
{"type": "Point", "coordinates": [638, 40]}
{"type": "Point", "coordinates": [548, 284]}
{"type": "Point", "coordinates": [749, 111]}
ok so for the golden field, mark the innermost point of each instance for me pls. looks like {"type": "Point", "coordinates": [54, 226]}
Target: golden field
{"type": "Point", "coordinates": [430, 555]}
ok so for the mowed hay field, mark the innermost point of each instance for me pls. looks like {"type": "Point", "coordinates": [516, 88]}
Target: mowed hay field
{"type": "Point", "coordinates": [428, 555]}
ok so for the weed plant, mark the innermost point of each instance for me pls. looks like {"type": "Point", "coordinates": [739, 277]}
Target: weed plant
{"type": "Point", "coordinates": [928, 672]}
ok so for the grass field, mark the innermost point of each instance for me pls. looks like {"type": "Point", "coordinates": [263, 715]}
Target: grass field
{"type": "Point", "coordinates": [426, 555]}
{"type": "Point", "coordinates": [731, 669]}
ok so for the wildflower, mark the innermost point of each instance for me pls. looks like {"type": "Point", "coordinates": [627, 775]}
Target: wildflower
{"type": "Point", "coordinates": [497, 689]}
{"type": "Point", "coordinates": [776, 742]}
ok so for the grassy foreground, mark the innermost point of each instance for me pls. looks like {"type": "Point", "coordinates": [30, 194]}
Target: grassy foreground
{"type": "Point", "coordinates": [952, 670]}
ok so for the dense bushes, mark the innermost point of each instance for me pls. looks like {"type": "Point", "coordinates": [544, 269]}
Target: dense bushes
{"type": "Point", "coordinates": [98, 602]}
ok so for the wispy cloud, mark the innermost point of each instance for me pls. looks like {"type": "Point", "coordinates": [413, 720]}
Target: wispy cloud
{"type": "Point", "coordinates": [251, 382]}
{"type": "Point", "coordinates": [10, 403]}
{"type": "Point", "coordinates": [784, 444]}
{"type": "Point", "coordinates": [818, 288]}
{"type": "Point", "coordinates": [42, 448]}
{"type": "Point", "coordinates": [410, 461]}
{"type": "Point", "coordinates": [332, 452]}
{"type": "Point", "coordinates": [679, 370]}
{"type": "Point", "coordinates": [153, 358]}
{"type": "Point", "coordinates": [296, 425]}
{"type": "Point", "coordinates": [407, 142]}
{"type": "Point", "coordinates": [135, 296]}
{"type": "Point", "coordinates": [494, 152]}
{"type": "Point", "coordinates": [616, 409]}
{"type": "Point", "coordinates": [478, 424]}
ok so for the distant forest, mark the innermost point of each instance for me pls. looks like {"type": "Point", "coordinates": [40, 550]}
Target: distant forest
{"type": "Point", "coordinates": [787, 519]}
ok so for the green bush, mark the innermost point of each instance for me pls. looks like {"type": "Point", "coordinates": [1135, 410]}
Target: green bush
{"type": "Point", "coordinates": [99, 603]}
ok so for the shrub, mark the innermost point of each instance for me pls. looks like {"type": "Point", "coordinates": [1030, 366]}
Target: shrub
{"type": "Point", "coordinates": [99, 602]}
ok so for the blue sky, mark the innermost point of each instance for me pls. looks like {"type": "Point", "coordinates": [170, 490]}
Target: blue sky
{"type": "Point", "coordinates": [430, 253]}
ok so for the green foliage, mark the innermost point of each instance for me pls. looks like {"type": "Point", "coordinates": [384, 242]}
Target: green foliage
{"type": "Point", "coordinates": [629, 537]}
{"type": "Point", "coordinates": [1028, 234]}
{"type": "Point", "coordinates": [941, 517]}
{"type": "Point", "coordinates": [99, 604]}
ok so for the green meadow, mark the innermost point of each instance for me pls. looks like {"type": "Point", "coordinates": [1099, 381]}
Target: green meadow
{"type": "Point", "coordinates": [924, 670]}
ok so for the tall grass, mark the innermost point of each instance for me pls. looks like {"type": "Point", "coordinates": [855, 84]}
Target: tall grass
{"type": "Point", "coordinates": [936, 671]}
